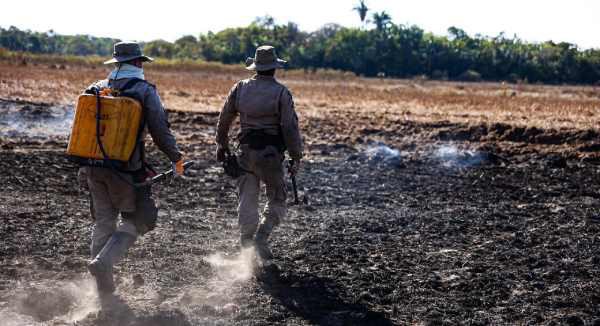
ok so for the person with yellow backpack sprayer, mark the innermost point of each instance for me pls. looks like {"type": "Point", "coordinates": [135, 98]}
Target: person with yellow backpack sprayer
{"type": "Point", "coordinates": [107, 139]}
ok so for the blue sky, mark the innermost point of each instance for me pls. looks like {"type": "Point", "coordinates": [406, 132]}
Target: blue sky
{"type": "Point", "coordinates": [573, 21]}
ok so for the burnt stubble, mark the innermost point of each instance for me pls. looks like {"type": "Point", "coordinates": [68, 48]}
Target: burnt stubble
{"type": "Point", "coordinates": [462, 224]}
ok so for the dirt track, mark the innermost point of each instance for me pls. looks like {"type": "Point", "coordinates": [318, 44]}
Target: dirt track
{"type": "Point", "coordinates": [484, 224]}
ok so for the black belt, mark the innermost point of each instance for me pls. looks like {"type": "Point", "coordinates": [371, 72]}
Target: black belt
{"type": "Point", "coordinates": [259, 139]}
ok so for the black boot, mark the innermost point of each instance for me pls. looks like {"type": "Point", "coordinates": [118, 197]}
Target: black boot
{"type": "Point", "coordinates": [101, 267]}
{"type": "Point", "coordinates": [262, 242]}
{"type": "Point", "coordinates": [246, 241]}
{"type": "Point", "coordinates": [247, 235]}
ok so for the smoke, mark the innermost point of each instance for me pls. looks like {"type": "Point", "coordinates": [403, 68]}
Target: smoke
{"type": "Point", "coordinates": [51, 301]}
{"type": "Point", "coordinates": [29, 120]}
{"type": "Point", "coordinates": [381, 154]}
{"type": "Point", "coordinates": [451, 156]}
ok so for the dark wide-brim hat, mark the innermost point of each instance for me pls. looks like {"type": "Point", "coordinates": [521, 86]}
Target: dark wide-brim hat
{"type": "Point", "coordinates": [265, 58]}
{"type": "Point", "coordinates": [126, 51]}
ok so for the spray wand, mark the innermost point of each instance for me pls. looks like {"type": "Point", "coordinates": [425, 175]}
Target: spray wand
{"type": "Point", "coordinates": [294, 185]}
{"type": "Point", "coordinates": [162, 176]}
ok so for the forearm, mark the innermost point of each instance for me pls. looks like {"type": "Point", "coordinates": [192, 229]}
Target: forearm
{"type": "Point", "coordinates": [223, 126]}
{"type": "Point", "coordinates": [165, 141]}
{"type": "Point", "coordinates": [293, 142]}
{"type": "Point", "coordinates": [226, 117]}
{"type": "Point", "coordinates": [289, 127]}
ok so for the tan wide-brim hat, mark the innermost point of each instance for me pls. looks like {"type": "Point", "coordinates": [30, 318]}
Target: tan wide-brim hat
{"type": "Point", "coordinates": [265, 58]}
{"type": "Point", "coordinates": [126, 51]}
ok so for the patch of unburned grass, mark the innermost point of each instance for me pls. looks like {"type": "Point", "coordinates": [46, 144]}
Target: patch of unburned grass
{"type": "Point", "coordinates": [203, 86]}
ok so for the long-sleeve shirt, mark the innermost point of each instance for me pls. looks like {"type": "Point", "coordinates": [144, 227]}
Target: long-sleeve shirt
{"type": "Point", "coordinates": [262, 104]}
{"type": "Point", "coordinates": [156, 122]}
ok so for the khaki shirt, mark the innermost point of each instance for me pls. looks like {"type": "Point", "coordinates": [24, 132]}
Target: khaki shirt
{"type": "Point", "coordinates": [262, 103]}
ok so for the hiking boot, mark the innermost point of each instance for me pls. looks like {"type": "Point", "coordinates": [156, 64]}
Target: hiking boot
{"type": "Point", "coordinates": [101, 267]}
{"type": "Point", "coordinates": [247, 232]}
{"type": "Point", "coordinates": [103, 275]}
{"type": "Point", "coordinates": [263, 250]}
{"type": "Point", "coordinates": [268, 272]}
{"type": "Point", "coordinates": [247, 241]}
{"type": "Point", "coordinates": [262, 242]}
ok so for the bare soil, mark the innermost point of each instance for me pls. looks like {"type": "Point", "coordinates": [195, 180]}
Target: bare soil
{"type": "Point", "coordinates": [425, 203]}
{"type": "Point", "coordinates": [404, 222]}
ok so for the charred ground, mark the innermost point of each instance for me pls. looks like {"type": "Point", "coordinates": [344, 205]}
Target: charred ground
{"type": "Point", "coordinates": [406, 223]}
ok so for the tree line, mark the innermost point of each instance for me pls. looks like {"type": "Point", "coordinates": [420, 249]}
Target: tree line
{"type": "Point", "coordinates": [378, 48]}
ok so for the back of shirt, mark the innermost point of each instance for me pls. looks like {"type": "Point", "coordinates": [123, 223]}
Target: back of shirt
{"type": "Point", "coordinates": [258, 104]}
{"type": "Point", "coordinates": [263, 104]}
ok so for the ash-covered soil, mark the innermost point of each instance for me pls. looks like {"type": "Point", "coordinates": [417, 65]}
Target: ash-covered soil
{"type": "Point", "coordinates": [403, 223]}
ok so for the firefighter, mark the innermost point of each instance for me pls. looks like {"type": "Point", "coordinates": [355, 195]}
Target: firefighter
{"type": "Point", "coordinates": [269, 127]}
{"type": "Point", "coordinates": [112, 190]}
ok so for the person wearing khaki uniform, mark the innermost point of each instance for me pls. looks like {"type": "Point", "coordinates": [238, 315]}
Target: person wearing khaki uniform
{"type": "Point", "coordinates": [269, 126]}
{"type": "Point", "coordinates": [112, 192]}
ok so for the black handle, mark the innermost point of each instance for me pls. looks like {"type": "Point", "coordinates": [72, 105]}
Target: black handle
{"type": "Point", "coordinates": [164, 175]}
{"type": "Point", "coordinates": [294, 186]}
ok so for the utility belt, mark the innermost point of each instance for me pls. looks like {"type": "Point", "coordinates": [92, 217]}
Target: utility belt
{"type": "Point", "coordinates": [139, 175]}
{"type": "Point", "coordinates": [259, 140]}
{"type": "Point", "coordinates": [120, 166]}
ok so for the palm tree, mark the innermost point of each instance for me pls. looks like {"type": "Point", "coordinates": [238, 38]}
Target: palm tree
{"type": "Point", "coordinates": [362, 10]}
{"type": "Point", "coordinates": [382, 20]}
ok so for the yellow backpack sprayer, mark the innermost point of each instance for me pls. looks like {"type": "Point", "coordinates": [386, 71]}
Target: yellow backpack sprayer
{"type": "Point", "coordinates": [106, 127]}
{"type": "Point", "coordinates": [106, 130]}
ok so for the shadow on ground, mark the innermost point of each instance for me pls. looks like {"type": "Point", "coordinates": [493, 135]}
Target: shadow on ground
{"type": "Point", "coordinates": [318, 300]}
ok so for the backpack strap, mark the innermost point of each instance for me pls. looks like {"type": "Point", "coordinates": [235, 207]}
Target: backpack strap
{"type": "Point", "coordinates": [125, 91]}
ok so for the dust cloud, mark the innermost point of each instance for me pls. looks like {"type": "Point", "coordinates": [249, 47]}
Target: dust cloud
{"type": "Point", "coordinates": [220, 290]}
{"type": "Point", "coordinates": [50, 302]}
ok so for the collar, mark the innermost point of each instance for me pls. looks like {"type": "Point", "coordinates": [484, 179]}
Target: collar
{"type": "Point", "coordinates": [263, 77]}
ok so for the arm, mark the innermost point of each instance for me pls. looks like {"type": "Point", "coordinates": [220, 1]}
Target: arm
{"type": "Point", "coordinates": [228, 114]}
{"type": "Point", "coordinates": [156, 120]}
{"type": "Point", "coordinates": [289, 126]}
{"type": "Point", "coordinates": [100, 84]}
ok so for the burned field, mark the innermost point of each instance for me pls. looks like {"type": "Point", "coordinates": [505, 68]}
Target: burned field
{"type": "Point", "coordinates": [408, 219]}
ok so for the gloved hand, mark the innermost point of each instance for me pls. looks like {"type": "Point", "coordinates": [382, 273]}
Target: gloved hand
{"type": "Point", "coordinates": [221, 153]}
{"type": "Point", "coordinates": [177, 167]}
{"type": "Point", "coordinates": [294, 167]}
{"type": "Point", "coordinates": [106, 92]}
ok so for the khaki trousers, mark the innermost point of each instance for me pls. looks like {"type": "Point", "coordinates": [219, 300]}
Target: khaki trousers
{"type": "Point", "coordinates": [264, 166]}
{"type": "Point", "coordinates": [111, 196]}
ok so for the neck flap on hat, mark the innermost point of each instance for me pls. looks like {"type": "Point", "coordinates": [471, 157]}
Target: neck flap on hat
{"type": "Point", "coordinates": [126, 70]}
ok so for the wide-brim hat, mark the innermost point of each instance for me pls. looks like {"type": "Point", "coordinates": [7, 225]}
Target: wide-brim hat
{"type": "Point", "coordinates": [127, 51]}
{"type": "Point", "coordinates": [265, 58]}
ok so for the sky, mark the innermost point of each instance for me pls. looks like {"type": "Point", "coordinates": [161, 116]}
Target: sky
{"type": "Point", "coordinates": [573, 21]}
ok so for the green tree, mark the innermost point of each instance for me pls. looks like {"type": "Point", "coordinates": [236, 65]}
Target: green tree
{"type": "Point", "coordinates": [160, 48]}
{"type": "Point", "coordinates": [396, 50]}
{"type": "Point", "coordinates": [187, 47]}
{"type": "Point", "coordinates": [382, 21]}
{"type": "Point", "coordinates": [362, 10]}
